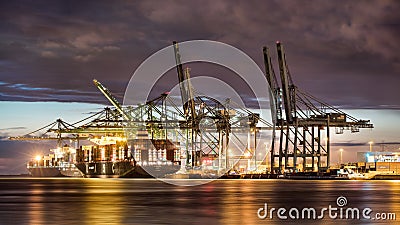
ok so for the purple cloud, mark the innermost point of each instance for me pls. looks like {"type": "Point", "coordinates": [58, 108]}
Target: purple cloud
{"type": "Point", "coordinates": [339, 51]}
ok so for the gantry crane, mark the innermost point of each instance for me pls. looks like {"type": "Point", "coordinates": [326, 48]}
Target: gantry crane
{"type": "Point", "coordinates": [57, 130]}
{"type": "Point", "coordinates": [198, 108]}
{"type": "Point", "coordinates": [301, 145]}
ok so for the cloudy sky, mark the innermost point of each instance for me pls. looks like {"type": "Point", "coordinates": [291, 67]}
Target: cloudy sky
{"type": "Point", "coordinates": [344, 52]}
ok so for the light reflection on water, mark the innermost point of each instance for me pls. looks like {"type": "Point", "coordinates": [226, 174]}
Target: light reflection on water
{"type": "Point", "coordinates": [147, 201]}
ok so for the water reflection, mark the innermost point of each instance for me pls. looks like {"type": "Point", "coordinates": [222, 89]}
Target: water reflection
{"type": "Point", "coordinates": [35, 204]}
{"type": "Point", "coordinates": [238, 204]}
{"type": "Point", "coordinates": [147, 201]}
{"type": "Point", "coordinates": [103, 202]}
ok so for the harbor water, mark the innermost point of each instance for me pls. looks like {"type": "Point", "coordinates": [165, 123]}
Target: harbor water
{"type": "Point", "coordinates": [227, 202]}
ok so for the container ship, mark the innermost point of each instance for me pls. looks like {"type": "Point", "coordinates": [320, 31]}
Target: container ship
{"type": "Point", "coordinates": [60, 162]}
{"type": "Point", "coordinates": [110, 156]}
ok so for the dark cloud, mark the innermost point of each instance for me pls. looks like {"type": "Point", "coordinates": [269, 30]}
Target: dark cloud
{"type": "Point", "coordinates": [344, 52]}
{"type": "Point", "coordinates": [13, 128]}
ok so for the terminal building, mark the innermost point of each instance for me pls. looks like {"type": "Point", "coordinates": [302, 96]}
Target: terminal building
{"type": "Point", "coordinates": [378, 157]}
{"type": "Point", "coordinates": [385, 162]}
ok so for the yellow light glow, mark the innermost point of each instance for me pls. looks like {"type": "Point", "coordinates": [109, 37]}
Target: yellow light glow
{"type": "Point", "coordinates": [38, 158]}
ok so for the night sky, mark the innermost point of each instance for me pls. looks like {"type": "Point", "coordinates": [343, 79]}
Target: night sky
{"type": "Point", "coordinates": [344, 52]}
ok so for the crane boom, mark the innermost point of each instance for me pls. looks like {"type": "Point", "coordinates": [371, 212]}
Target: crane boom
{"type": "Point", "coordinates": [111, 98]}
{"type": "Point", "coordinates": [184, 85]}
{"type": "Point", "coordinates": [275, 95]}
{"type": "Point", "coordinates": [269, 73]}
{"type": "Point", "coordinates": [181, 78]}
{"type": "Point", "coordinates": [287, 101]}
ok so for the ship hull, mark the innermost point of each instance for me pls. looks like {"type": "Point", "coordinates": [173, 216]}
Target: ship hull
{"type": "Point", "coordinates": [49, 171]}
{"type": "Point", "coordinates": [160, 171]}
{"type": "Point", "coordinates": [45, 172]}
{"type": "Point", "coordinates": [126, 169]}
{"type": "Point", "coordinates": [105, 169]}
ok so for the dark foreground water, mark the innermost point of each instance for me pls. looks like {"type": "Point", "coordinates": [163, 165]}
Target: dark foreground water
{"type": "Point", "coordinates": [147, 201]}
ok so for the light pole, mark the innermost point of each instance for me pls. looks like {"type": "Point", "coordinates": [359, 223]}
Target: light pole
{"type": "Point", "coordinates": [228, 158]}
{"type": "Point", "coordinates": [341, 156]}
{"type": "Point", "coordinates": [266, 154]}
{"type": "Point", "coordinates": [370, 146]}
